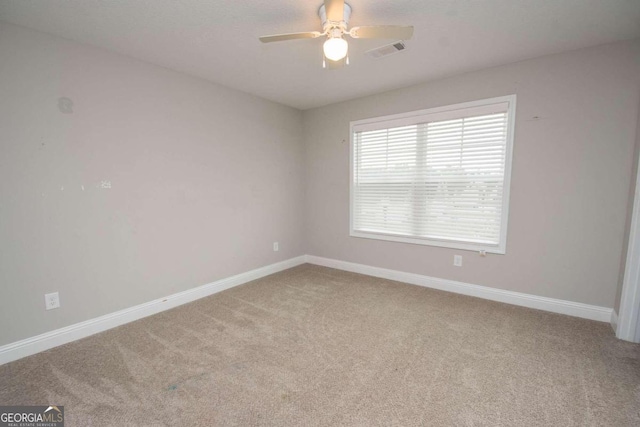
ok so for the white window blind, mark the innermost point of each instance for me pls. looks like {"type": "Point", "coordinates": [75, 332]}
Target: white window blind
{"type": "Point", "coordinates": [434, 177]}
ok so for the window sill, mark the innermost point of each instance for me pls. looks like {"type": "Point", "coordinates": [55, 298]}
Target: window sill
{"type": "Point", "coordinates": [465, 246]}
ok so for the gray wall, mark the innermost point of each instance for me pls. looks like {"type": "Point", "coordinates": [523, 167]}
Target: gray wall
{"type": "Point", "coordinates": [203, 180]}
{"type": "Point", "coordinates": [570, 183]}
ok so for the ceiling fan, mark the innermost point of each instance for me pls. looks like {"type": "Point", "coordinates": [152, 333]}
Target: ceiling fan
{"type": "Point", "coordinates": [334, 15]}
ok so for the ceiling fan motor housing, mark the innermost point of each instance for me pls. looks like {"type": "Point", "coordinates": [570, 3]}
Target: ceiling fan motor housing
{"type": "Point", "coordinates": [322, 13]}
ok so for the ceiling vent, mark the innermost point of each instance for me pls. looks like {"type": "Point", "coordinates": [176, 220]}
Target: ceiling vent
{"type": "Point", "coordinates": [386, 50]}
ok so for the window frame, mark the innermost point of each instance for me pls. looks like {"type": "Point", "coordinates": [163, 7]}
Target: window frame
{"type": "Point", "coordinates": [437, 113]}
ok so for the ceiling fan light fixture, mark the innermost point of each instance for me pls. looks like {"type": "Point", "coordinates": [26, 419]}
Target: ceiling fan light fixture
{"type": "Point", "coordinates": [335, 48]}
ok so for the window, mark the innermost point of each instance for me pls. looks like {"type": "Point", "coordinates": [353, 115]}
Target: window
{"type": "Point", "coordinates": [435, 177]}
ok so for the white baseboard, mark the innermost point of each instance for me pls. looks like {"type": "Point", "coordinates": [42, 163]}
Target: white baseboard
{"type": "Point", "coordinates": [570, 308]}
{"type": "Point", "coordinates": [614, 321]}
{"type": "Point", "coordinates": [84, 329]}
{"type": "Point", "coordinates": [48, 340]}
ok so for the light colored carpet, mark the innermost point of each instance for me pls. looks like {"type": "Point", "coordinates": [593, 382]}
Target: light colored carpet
{"type": "Point", "coordinates": [316, 346]}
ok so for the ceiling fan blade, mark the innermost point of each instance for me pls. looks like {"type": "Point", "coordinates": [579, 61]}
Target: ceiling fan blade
{"type": "Point", "coordinates": [290, 36]}
{"type": "Point", "coordinates": [334, 65]}
{"type": "Point", "coordinates": [334, 10]}
{"type": "Point", "coordinates": [382, 32]}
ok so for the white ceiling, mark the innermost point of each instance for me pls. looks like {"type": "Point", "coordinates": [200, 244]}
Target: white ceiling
{"type": "Point", "coordinates": [218, 40]}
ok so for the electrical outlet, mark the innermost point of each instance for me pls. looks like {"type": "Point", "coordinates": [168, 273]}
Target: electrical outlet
{"type": "Point", "coordinates": [276, 247]}
{"type": "Point", "coordinates": [457, 260]}
{"type": "Point", "coordinates": [52, 301]}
